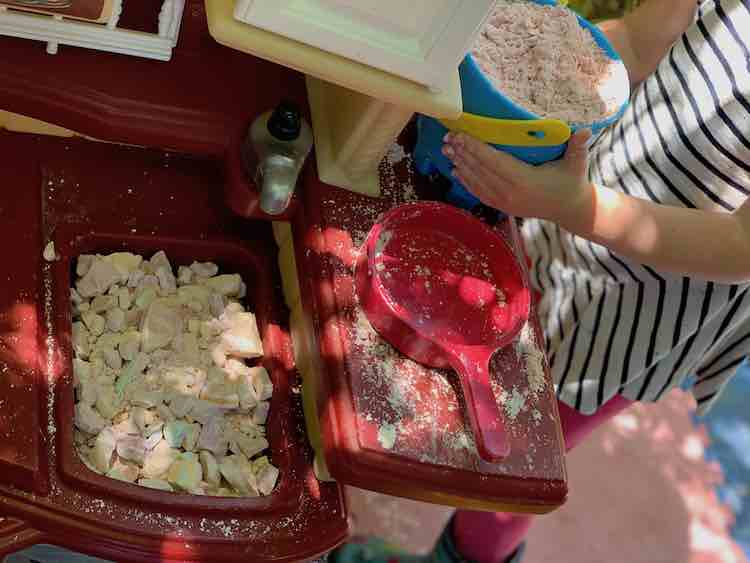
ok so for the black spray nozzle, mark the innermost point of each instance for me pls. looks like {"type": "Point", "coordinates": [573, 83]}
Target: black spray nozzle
{"type": "Point", "coordinates": [285, 122]}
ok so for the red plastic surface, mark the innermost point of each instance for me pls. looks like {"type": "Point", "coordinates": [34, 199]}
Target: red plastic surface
{"type": "Point", "coordinates": [367, 393]}
{"type": "Point", "coordinates": [96, 197]}
{"type": "Point", "coordinates": [199, 103]}
{"type": "Point", "coordinates": [446, 290]}
{"type": "Point", "coordinates": [16, 535]}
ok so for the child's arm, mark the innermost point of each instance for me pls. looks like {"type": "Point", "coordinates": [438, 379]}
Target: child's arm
{"type": "Point", "coordinates": [701, 244]}
{"type": "Point", "coordinates": [644, 36]}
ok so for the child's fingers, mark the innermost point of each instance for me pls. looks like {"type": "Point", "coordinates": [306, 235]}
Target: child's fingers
{"type": "Point", "coordinates": [576, 155]}
{"type": "Point", "coordinates": [487, 176]}
{"type": "Point", "coordinates": [472, 182]}
{"type": "Point", "coordinates": [500, 162]}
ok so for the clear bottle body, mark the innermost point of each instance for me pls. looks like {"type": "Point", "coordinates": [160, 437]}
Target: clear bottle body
{"type": "Point", "coordinates": [274, 164]}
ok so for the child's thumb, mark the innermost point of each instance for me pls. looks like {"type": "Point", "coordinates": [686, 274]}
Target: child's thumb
{"type": "Point", "coordinates": [577, 153]}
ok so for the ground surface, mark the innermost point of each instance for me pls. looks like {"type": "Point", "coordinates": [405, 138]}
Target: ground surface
{"type": "Point", "coordinates": [641, 488]}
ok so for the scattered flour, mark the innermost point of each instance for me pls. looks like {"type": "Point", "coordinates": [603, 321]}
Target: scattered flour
{"type": "Point", "coordinates": [390, 181]}
{"type": "Point", "coordinates": [49, 253]}
{"type": "Point", "coordinates": [533, 357]}
{"type": "Point", "coordinates": [515, 404]}
{"type": "Point", "coordinates": [387, 436]}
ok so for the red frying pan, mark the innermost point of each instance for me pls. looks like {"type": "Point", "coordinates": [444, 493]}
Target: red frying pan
{"type": "Point", "coordinates": [445, 290]}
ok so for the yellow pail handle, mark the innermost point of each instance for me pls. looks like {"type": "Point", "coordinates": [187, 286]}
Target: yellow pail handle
{"type": "Point", "coordinates": [514, 132]}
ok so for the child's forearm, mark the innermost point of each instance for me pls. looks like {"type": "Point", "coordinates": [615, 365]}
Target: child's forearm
{"type": "Point", "coordinates": [643, 37]}
{"type": "Point", "coordinates": [709, 245]}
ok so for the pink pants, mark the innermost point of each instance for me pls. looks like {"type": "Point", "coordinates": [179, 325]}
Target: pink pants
{"type": "Point", "coordinates": [485, 537]}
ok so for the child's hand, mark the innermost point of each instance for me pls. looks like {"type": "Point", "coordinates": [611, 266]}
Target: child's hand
{"type": "Point", "coordinates": [550, 191]}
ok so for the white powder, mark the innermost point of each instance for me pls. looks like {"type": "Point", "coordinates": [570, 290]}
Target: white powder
{"type": "Point", "coordinates": [383, 240]}
{"type": "Point", "coordinates": [49, 253]}
{"type": "Point", "coordinates": [396, 173]}
{"type": "Point", "coordinates": [542, 59]}
{"type": "Point", "coordinates": [387, 436]}
{"type": "Point", "coordinates": [533, 358]}
{"type": "Point", "coordinates": [515, 405]}
{"type": "Point", "coordinates": [51, 346]}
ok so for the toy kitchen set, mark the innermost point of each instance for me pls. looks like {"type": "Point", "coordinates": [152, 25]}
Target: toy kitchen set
{"type": "Point", "coordinates": [133, 127]}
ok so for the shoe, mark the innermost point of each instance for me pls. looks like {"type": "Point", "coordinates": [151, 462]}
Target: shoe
{"type": "Point", "coordinates": [372, 550]}
{"type": "Point", "coordinates": [375, 550]}
{"type": "Point", "coordinates": [518, 555]}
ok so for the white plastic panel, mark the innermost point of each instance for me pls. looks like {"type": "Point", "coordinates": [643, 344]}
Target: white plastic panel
{"type": "Point", "coordinates": [414, 39]}
{"type": "Point", "coordinates": [56, 31]}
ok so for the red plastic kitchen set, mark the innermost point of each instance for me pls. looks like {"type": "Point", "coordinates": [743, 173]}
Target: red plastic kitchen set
{"type": "Point", "coordinates": [104, 152]}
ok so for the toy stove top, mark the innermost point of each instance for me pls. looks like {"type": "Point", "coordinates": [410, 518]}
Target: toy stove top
{"type": "Point", "coordinates": [394, 426]}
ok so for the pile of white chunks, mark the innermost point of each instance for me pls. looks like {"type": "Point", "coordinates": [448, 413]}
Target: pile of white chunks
{"type": "Point", "coordinates": [164, 397]}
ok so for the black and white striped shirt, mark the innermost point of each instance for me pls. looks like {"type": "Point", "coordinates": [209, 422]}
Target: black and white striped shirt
{"type": "Point", "coordinates": [614, 326]}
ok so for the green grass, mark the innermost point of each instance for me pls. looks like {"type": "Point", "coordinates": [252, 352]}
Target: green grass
{"type": "Point", "coordinates": [595, 10]}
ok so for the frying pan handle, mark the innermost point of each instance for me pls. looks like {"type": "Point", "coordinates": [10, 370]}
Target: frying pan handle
{"type": "Point", "coordinates": [482, 410]}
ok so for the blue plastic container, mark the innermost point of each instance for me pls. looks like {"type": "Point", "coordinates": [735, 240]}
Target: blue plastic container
{"type": "Point", "coordinates": [480, 97]}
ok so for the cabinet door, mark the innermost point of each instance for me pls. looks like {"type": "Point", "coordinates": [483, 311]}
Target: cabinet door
{"type": "Point", "coordinates": [422, 40]}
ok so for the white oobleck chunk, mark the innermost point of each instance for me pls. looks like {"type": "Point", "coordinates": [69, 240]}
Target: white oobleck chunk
{"type": "Point", "coordinates": [132, 448]}
{"type": "Point", "coordinates": [162, 389]}
{"type": "Point", "coordinates": [160, 260]}
{"type": "Point", "coordinates": [107, 402]}
{"type": "Point", "coordinates": [123, 471]}
{"type": "Point", "coordinates": [210, 468]}
{"type": "Point", "coordinates": [94, 323]}
{"type": "Point", "coordinates": [80, 340]}
{"type": "Point", "coordinates": [159, 460]}
{"type": "Point", "coordinates": [99, 278]}
{"type": "Point", "coordinates": [157, 484]}
{"type": "Point", "coordinates": [250, 447]}
{"type": "Point", "coordinates": [260, 414]}
{"type": "Point", "coordinates": [262, 383]}
{"type": "Point", "coordinates": [241, 337]}
{"type": "Point", "coordinates": [174, 433]}
{"type": "Point", "coordinates": [115, 320]}
{"type": "Point", "coordinates": [266, 475]}
{"type": "Point", "coordinates": [154, 435]}
{"type": "Point", "coordinates": [112, 357]}
{"type": "Point", "coordinates": [212, 438]}
{"type": "Point", "coordinates": [223, 395]}
{"type": "Point", "coordinates": [227, 285]}
{"type": "Point", "coordinates": [130, 345]}
{"type": "Point", "coordinates": [103, 303]}
{"type": "Point", "coordinates": [204, 269]}
{"type": "Point", "coordinates": [167, 281]}
{"type": "Point", "coordinates": [125, 263]}
{"type": "Point", "coordinates": [186, 472]}
{"type": "Point", "coordinates": [184, 275]}
{"type": "Point", "coordinates": [181, 404]}
{"type": "Point", "coordinates": [127, 426]}
{"type": "Point", "coordinates": [236, 469]}
{"type": "Point", "coordinates": [88, 420]}
{"type": "Point", "coordinates": [84, 263]}
{"type": "Point", "coordinates": [160, 325]}
{"type": "Point", "coordinates": [103, 450]}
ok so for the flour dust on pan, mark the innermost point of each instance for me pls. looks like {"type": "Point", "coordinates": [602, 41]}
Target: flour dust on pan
{"type": "Point", "coordinates": [446, 290]}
